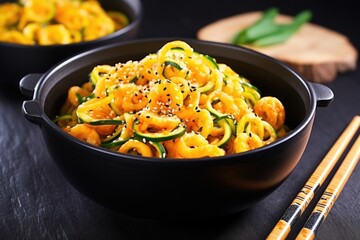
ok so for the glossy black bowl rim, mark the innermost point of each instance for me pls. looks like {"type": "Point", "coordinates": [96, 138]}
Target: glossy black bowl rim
{"type": "Point", "coordinates": [135, 22]}
{"type": "Point", "coordinates": [238, 156]}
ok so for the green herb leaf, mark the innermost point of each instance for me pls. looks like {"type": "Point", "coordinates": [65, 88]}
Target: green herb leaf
{"type": "Point", "coordinates": [266, 32]}
{"type": "Point", "coordinates": [265, 25]}
{"type": "Point", "coordinates": [285, 31]}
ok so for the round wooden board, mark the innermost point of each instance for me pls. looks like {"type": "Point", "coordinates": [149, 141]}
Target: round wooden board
{"type": "Point", "coordinates": [315, 52]}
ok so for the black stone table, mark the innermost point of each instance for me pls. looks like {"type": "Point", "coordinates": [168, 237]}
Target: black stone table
{"type": "Point", "coordinates": [36, 202]}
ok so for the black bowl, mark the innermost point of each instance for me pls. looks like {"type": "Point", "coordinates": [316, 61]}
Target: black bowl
{"type": "Point", "coordinates": [18, 60]}
{"type": "Point", "coordinates": [173, 189]}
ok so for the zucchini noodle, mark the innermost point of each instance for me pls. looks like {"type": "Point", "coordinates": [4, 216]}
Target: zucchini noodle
{"type": "Point", "coordinates": [176, 103]}
{"type": "Point", "coordinates": [48, 22]}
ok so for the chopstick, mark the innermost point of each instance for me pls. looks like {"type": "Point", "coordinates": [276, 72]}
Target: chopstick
{"type": "Point", "coordinates": [306, 194]}
{"type": "Point", "coordinates": [331, 193]}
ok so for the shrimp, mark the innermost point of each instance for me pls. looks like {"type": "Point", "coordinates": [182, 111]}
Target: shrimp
{"type": "Point", "coordinates": [192, 145]}
{"type": "Point", "coordinates": [14, 36]}
{"type": "Point", "coordinates": [226, 104]}
{"type": "Point", "coordinates": [271, 110]}
{"type": "Point", "coordinates": [135, 145]}
{"type": "Point", "coordinates": [85, 133]}
{"type": "Point", "coordinates": [54, 34]}
{"type": "Point", "coordinates": [103, 112]}
{"type": "Point", "coordinates": [72, 16]}
{"type": "Point", "coordinates": [9, 14]}
{"type": "Point", "coordinates": [128, 98]}
{"type": "Point", "coordinates": [149, 119]}
{"type": "Point", "coordinates": [247, 141]}
{"type": "Point", "coordinates": [76, 92]}
{"type": "Point", "coordinates": [201, 121]}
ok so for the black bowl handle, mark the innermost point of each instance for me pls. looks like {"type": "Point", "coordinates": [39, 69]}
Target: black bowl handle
{"type": "Point", "coordinates": [324, 95]}
{"type": "Point", "coordinates": [32, 111]}
{"type": "Point", "coordinates": [28, 84]}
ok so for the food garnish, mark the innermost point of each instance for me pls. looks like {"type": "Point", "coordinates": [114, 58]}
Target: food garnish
{"type": "Point", "coordinates": [265, 31]}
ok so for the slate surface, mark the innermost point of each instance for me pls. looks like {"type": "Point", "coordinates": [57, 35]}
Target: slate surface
{"type": "Point", "coordinates": [36, 202]}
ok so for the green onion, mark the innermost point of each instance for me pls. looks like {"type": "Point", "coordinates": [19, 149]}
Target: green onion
{"type": "Point", "coordinates": [62, 117]}
{"type": "Point", "coordinates": [265, 31]}
{"type": "Point", "coordinates": [265, 25]}
{"type": "Point", "coordinates": [285, 31]}
{"type": "Point", "coordinates": [107, 122]}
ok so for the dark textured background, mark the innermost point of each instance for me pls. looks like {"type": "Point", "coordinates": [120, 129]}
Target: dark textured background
{"type": "Point", "coordinates": [36, 202]}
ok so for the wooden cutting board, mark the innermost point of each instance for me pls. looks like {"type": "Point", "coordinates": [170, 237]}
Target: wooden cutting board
{"type": "Point", "coordinates": [315, 52]}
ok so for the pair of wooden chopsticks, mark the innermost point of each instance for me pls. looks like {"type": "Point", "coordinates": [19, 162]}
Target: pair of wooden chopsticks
{"type": "Point", "coordinates": [331, 193]}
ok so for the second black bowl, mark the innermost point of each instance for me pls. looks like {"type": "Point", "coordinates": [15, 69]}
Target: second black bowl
{"type": "Point", "coordinates": [18, 60]}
